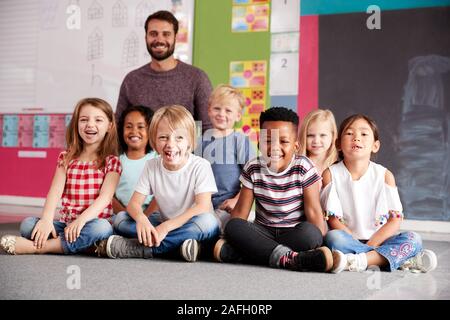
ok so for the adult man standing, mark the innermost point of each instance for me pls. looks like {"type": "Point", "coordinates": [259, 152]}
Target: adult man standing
{"type": "Point", "coordinates": [165, 80]}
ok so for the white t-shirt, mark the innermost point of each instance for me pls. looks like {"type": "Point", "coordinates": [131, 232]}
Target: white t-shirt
{"type": "Point", "coordinates": [175, 191]}
{"type": "Point", "coordinates": [363, 204]}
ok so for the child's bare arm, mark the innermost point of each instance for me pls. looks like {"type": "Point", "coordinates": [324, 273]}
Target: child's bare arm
{"type": "Point", "coordinates": [117, 205]}
{"type": "Point", "coordinates": [152, 207]}
{"type": "Point", "coordinates": [44, 227]}
{"type": "Point", "coordinates": [313, 209]}
{"type": "Point", "coordinates": [146, 232]}
{"type": "Point", "coordinates": [388, 230]}
{"type": "Point", "coordinates": [229, 204]}
{"type": "Point", "coordinates": [54, 194]}
{"type": "Point", "coordinates": [244, 205]}
{"type": "Point", "coordinates": [335, 224]}
{"type": "Point", "coordinates": [134, 207]}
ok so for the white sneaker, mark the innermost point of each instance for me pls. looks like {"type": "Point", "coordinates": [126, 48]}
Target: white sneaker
{"type": "Point", "coordinates": [424, 261]}
{"type": "Point", "coordinates": [349, 262]}
{"type": "Point", "coordinates": [8, 243]}
{"type": "Point", "coordinates": [356, 262]}
{"type": "Point", "coordinates": [339, 262]}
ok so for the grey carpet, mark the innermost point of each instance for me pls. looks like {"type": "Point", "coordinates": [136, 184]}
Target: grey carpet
{"type": "Point", "coordinates": [46, 277]}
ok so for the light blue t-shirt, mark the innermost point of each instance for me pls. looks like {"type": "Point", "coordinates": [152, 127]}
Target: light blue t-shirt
{"type": "Point", "coordinates": [131, 171]}
{"type": "Point", "coordinates": [227, 156]}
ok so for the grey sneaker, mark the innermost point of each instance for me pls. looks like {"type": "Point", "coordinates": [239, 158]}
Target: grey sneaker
{"type": "Point", "coordinates": [120, 247]}
{"type": "Point", "coordinates": [424, 261]}
{"type": "Point", "coordinates": [190, 250]}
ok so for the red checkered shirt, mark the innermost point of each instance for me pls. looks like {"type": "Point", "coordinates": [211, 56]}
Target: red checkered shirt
{"type": "Point", "coordinates": [83, 184]}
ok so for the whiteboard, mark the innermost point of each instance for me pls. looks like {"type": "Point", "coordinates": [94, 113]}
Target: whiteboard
{"type": "Point", "coordinates": [59, 51]}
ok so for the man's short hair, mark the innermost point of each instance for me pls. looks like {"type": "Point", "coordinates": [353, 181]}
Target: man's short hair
{"type": "Point", "coordinates": [164, 16]}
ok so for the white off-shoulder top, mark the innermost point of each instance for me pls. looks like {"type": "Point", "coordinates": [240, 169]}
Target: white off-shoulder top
{"type": "Point", "coordinates": [363, 205]}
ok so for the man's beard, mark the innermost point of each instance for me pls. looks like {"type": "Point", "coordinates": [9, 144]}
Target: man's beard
{"type": "Point", "coordinates": [160, 56]}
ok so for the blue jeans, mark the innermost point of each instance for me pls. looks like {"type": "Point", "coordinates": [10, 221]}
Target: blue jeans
{"type": "Point", "coordinates": [93, 230]}
{"type": "Point", "coordinates": [203, 227]}
{"type": "Point", "coordinates": [396, 249]}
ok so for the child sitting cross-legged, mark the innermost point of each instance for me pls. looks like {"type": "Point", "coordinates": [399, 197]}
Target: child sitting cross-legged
{"type": "Point", "coordinates": [288, 228]}
{"type": "Point", "coordinates": [363, 207]}
{"type": "Point", "coordinates": [181, 184]}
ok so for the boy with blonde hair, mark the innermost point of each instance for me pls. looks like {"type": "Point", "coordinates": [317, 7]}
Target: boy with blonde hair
{"type": "Point", "coordinates": [226, 149]}
{"type": "Point", "coordinates": [181, 183]}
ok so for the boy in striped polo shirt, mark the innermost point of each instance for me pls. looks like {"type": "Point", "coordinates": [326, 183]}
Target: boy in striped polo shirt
{"type": "Point", "coordinates": [289, 227]}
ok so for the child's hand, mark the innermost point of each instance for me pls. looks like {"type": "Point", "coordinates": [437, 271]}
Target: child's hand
{"type": "Point", "coordinates": [41, 231]}
{"type": "Point", "coordinates": [229, 204]}
{"type": "Point", "coordinates": [162, 233]}
{"type": "Point", "coordinates": [146, 232]}
{"type": "Point", "coordinates": [73, 230]}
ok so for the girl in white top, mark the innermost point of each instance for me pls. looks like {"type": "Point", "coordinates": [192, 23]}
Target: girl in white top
{"type": "Point", "coordinates": [181, 183]}
{"type": "Point", "coordinates": [317, 138]}
{"type": "Point", "coordinates": [363, 207]}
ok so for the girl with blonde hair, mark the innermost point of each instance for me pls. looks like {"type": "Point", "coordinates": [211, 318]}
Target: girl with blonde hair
{"type": "Point", "coordinates": [317, 138]}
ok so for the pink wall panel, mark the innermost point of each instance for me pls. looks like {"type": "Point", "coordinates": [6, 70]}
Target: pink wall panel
{"type": "Point", "coordinates": [308, 92]}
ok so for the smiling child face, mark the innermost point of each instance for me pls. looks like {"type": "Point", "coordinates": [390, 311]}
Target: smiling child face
{"type": "Point", "coordinates": [278, 144]}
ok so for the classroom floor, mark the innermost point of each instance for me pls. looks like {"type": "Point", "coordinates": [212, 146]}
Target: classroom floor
{"type": "Point", "coordinates": [52, 277]}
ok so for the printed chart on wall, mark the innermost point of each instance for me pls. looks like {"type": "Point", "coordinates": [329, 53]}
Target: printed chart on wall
{"type": "Point", "coordinates": [33, 131]}
{"type": "Point", "coordinates": [250, 16]}
{"type": "Point", "coordinates": [76, 48]}
{"type": "Point", "coordinates": [251, 78]}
